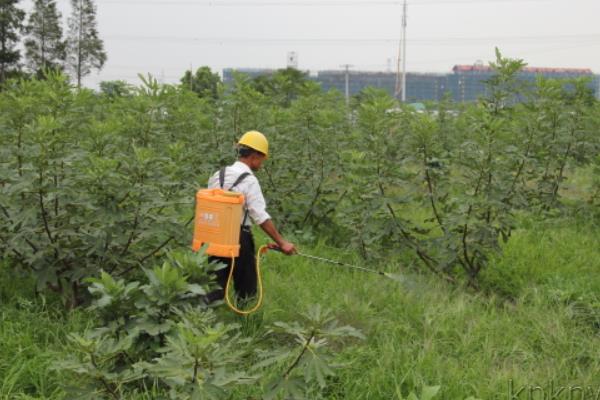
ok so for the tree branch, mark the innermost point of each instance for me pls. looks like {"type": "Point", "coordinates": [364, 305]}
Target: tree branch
{"type": "Point", "coordinates": [44, 218]}
{"type": "Point", "coordinates": [297, 360]}
{"type": "Point", "coordinates": [426, 258]}
{"type": "Point", "coordinates": [317, 194]}
{"type": "Point", "coordinates": [150, 254]}
{"type": "Point", "coordinates": [431, 195]}
{"type": "Point", "coordinates": [135, 224]}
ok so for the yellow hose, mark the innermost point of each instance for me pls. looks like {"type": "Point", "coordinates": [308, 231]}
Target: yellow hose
{"type": "Point", "coordinates": [261, 250]}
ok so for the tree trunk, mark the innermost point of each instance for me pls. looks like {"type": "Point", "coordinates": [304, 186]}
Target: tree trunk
{"type": "Point", "coordinates": [43, 43]}
{"type": "Point", "coordinates": [79, 39]}
{"type": "Point", "coordinates": [3, 48]}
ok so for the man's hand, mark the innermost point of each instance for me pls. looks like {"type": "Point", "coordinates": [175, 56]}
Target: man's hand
{"type": "Point", "coordinates": [287, 247]}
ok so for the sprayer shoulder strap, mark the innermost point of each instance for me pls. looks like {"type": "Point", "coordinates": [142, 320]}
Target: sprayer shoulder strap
{"type": "Point", "coordinates": [222, 177]}
{"type": "Point", "coordinates": [237, 181]}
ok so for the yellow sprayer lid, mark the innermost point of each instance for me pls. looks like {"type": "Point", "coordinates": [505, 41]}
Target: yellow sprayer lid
{"type": "Point", "coordinates": [220, 196]}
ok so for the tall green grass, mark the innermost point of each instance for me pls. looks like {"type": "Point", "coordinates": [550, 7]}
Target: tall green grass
{"type": "Point", "coordinates": [535, 323]}
{"type": "Point", "coordinates": [543, 328]}
{"type": "Point", "coordinates": [33, 333]}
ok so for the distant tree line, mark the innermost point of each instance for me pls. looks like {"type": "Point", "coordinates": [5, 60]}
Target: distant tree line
{"type": "Point", "coordinates": [32, 45]}
{"type": "Point", "coordinates": [284, 85]}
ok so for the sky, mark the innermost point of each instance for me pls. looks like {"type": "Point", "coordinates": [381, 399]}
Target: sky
{"type": "Point", "coordinates": [166, 37]}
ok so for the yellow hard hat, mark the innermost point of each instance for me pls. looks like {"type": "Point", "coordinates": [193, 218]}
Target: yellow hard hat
{"type": "Point", "coordinates": [255, 140]}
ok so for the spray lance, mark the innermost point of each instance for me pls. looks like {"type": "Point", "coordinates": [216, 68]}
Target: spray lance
{"type": "Point", "coordinates": [396, 277]}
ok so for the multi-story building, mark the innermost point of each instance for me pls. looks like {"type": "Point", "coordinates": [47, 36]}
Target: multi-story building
{"type": "Point", "coordinates": [419, 87]}
{"type": "Point", "coordinates": [465, 83]}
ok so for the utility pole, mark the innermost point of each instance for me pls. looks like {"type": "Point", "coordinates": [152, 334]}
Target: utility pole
{"type": "Point", "coordinates": [347, 67]}
{"type": "Point", "coordinates": [401, 75]}
{"type": "Point", "coordinates": [191, 75]}
{"type": "Point", "coordinates": [404, 17]}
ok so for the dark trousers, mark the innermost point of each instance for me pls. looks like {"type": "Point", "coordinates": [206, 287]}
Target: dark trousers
{"type": "Point", "coordinates": [244, 274]}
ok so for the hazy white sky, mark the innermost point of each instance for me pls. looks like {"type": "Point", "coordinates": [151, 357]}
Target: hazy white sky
{"type": "Point", "coordinates": [165, 37]}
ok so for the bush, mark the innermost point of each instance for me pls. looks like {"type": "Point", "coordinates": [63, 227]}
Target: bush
{"type": "Point", "coordinates": [158, 333]}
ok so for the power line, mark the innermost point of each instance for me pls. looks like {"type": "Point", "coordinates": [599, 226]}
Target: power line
{"type": "Point", "coordinates": [515, 54]}
{"type": "Point", "coordinates": [594, 38]}
{"type": "Point", "coordinates": [344, 3]}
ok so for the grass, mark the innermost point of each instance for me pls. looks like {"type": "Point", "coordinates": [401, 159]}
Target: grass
{"type": "Point", "coordinates": [424, 332]}
{"type": "Point", "coordinates": [32, 335]}
{"type": "Point", "coordinates": [544, 328]}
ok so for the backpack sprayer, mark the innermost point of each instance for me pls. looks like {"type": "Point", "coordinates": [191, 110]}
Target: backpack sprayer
{"type": "Point", "coordinates": [217, 221]}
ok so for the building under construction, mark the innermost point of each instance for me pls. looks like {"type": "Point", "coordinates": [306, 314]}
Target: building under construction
{"type": "Point", "coordinates": [419, 86]}
{"type": "Point", "coordinates": [464, 84]}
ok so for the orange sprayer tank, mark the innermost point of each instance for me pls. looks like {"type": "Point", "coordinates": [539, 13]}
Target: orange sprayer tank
{"type": "Point", "coordinates": [217, 221]}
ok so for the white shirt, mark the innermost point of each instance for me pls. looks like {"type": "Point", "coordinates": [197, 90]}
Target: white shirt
{"type": "Point", "coordinates": [249, 187]}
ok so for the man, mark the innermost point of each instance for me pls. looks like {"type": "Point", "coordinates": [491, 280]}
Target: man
{"type": "Point", "coordinates": [253, 149]}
